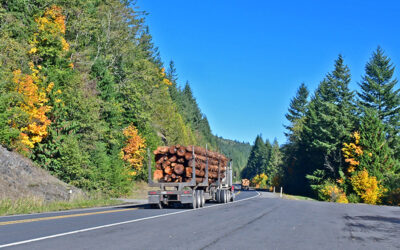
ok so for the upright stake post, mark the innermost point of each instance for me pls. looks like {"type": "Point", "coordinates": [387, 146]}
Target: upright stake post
{"type": "Point", "coordinates": [281, 192]}
{"type": "Point", "coordinates": [219, 173]}
{"type": "Point", "coordinates": [194, 168]}
{"type": "Point", "coordinates": [206, 179]}
{"type": "Point", "coordinates": [149, 178]}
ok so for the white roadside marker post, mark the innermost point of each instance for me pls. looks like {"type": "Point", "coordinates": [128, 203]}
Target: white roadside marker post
{"type": "Point", "coordinates": [274, 190]}
{"type": "Point", "coordinates": [281, 191]}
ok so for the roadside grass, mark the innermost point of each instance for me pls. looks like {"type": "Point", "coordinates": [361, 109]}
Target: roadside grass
{"type": "Point", "coordinates": [30, 205]}
{"type": "Point", "coordinates": [139, 190]}
{"type": "Point", "coordinates": [297, 197]}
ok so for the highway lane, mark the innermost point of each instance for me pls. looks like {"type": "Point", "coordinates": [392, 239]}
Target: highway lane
{"type": "Point", "coordinates": [263, 222]}
{"type": "Point", "coordinates": [26, 227]}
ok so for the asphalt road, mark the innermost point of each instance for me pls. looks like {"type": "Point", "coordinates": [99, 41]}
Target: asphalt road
{"type": "Point", "coordinates": [254, 221]}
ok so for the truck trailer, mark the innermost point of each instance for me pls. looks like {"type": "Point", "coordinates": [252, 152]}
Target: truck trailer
{"type": "Point", "coordinates": [191, 194]}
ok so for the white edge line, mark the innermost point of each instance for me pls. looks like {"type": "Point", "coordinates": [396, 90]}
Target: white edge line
{"type": "Point", "coordinates": [118, 223]}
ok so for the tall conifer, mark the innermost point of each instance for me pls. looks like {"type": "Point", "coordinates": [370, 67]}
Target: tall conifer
{"type": "Point", "coordinates": [378, 91]}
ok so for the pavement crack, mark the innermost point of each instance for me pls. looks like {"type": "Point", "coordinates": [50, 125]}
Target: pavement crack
{"type": "Point", "coordinates": [238, 228]}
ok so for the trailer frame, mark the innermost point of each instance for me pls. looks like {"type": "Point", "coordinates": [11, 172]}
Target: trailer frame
{"type": "Point", "coordinates": [190, 193]}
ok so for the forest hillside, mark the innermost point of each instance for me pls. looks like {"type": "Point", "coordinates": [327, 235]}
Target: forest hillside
{"type": "Point", "coordinates": [84, 93]}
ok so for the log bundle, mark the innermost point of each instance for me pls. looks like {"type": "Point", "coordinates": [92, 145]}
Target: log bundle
{"type": "Point", "coordinates": [175, 164]}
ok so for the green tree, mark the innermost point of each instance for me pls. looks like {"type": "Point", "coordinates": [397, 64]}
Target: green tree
{"type": "Point", "coordinates": [329, 120]}
{"type": "Point", "coordinates": [296, 112]}
{"type": "Point", "coordinates": [258, 159]}
{"type": "Point", "coordinates": [377, 157]}
{"type": "Point", "coordinates": [378, 92]}
{"type": "Point", "coordinates": [274, 169]}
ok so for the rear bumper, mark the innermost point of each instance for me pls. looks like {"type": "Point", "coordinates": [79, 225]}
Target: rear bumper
{"type": "Point", "coordinates": [174, 196]}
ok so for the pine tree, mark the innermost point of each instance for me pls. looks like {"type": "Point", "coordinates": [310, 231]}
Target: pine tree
{"type": "Point", "coordinates": [329, 120]}
{"type": "Point", "coordinates": [274, 168]}
{"type": "Point", "coordinates": [268, 145]}
{"type": "Point", "coordinates": [377, 157]}
{"type": "Point", "coordinates": [192, 111]}
{"type": "Point", "coordinates": [378, 92]}
{"type": "Point", "coordinates": [257, 162]}
{"type": "Point", "coordinates": [174, 89]}
{"type": "Point", "coordinates": [296, 112]}
{"type": "Point", "coordinates": [340, 78]}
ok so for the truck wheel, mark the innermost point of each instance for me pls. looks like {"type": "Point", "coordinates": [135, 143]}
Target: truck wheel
{"type": "Point", "coordinates": [217, 195]}
{"type": "Point", "coordinates": [226, 196]}
{"type": "Point", "coordinates": [160, 205]}
{"type": "Point", "coordinates": [203, 201]}
{"type": "Point", "coordinates": [193, 205]}
{"type": "Point", "coordinates": [198, 198]}
{"type": "Point", "coordinates": [222, 196]}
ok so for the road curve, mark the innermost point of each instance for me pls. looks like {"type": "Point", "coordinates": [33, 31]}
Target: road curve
{"type": "Point", "coordinates": [257, 222]}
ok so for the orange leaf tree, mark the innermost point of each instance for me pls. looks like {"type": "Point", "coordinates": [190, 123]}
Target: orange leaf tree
{"type": "Point", "coordinates": [35, 92]}
{"type": "Point", "coordinates": [133, 152]}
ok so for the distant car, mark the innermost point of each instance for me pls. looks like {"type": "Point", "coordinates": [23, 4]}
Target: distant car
{"type": "Point", "coordinates": [237, 186]}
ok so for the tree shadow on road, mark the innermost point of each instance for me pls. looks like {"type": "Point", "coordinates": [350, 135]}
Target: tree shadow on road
{"type": "Point", "coordinates": [374, 228]}
{"type": "Point", "coordinates": [379, 218]}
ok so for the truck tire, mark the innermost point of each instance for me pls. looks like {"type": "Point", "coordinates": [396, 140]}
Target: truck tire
{"type": "Point", "coordinates": [198, 198]}
{"type": "Point", "coordinates": [221, 196]}
{"type": "Point", "coordinates": [193, 205]}
{"type": "Point", "coordinates": [226, 196]}
{"type": "Point", "coordinates": [218, 196]}
{"type": "Point", "coordinates": [203, 200]}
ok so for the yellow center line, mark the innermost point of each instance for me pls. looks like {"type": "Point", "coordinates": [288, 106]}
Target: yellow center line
{"type": "Point", "coordinates": [238, 193]}
{"type": "Point", "coordinates": [64, 216]}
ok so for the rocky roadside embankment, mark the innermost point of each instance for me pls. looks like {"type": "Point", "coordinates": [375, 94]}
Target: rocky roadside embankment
{"type": "Point", "coordinates": [20, 178]}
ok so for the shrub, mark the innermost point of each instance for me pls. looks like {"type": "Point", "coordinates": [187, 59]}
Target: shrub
{"type": "Point", "coordinates": [367, 187]}
{"type": "Point", "coordinates": [331, 192]}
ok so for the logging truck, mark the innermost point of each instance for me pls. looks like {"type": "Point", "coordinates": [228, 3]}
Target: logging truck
{"type": "Point", "coordinates": [245, 184]}
{"type": "Point", "coordinates": [202, 183]}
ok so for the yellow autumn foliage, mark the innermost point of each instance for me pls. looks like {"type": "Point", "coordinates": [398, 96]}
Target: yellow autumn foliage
{"type": "Point", "coordinates": [334, 193]}
{"type": "Point", "coordinates": [165, 80]}
{"type": "Point", "coordinates": [52, 22]}
{"type": "Point", "coordinates": [33, 102]}
{"type": "Point", "coordinates": [351, 151]}
{"type": "Point", "coordinates": [133, 152]}
{"type": "Point", "coordinates": [367, 187]}
{"type": "Point", "coordinates": [260, 180]}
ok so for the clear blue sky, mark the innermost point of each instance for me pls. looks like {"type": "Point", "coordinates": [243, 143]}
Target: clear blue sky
{"type": "Point", "coordinates": [245, 59]}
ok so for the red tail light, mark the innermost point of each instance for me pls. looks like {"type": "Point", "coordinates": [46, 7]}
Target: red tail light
{"type": "Point", "coordinates": [152, 192]}
{"type": "Point", "coordinates": [186, 192]}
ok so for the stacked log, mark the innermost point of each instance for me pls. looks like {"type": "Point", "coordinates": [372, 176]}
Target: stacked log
{"type": "Point", "coordinates": [175, 164]}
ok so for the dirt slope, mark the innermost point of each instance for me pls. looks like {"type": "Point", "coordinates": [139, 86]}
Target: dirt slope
{"type": "Point", "coordinates": [20, 178]}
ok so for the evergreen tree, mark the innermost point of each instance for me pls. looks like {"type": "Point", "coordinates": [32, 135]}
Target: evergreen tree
{"type": "Point", "coordinates": [378, 92]}
{"type": "Point", "coordinates": [274, 168]}
{"type": "Point", "coordinates": [329, 120]}
{"type": "Point", "coordinates": [257, 162]}
{"type": "Point", "coordinates": [191, 108]}
{"type": "Point", "coordinates": [174, 90]}
{"type": "Point", "coordinates": [268, 145]}
{"type": "Point", "coordinates": [294, 172]}
{"type": "Point", "coordinates": [296, 112]}
{"type": "Point", "coordinates": [377, 157]}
